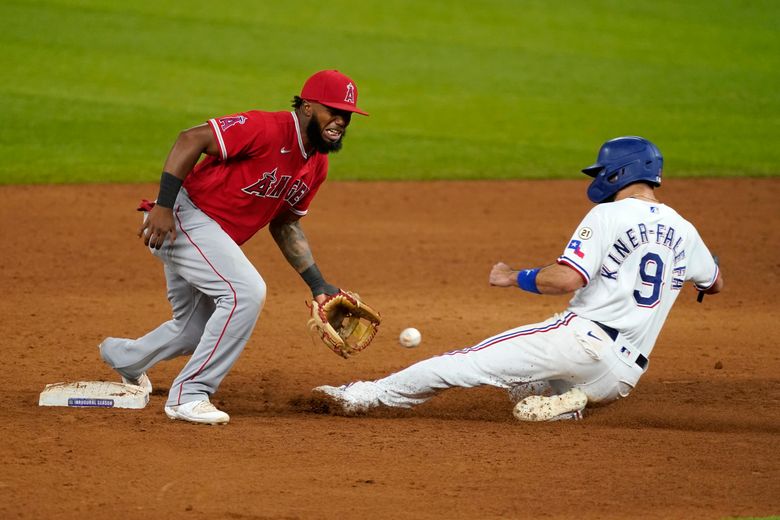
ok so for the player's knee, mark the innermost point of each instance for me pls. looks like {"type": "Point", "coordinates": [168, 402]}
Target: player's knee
{"type": "Point", "coordinates": [116, 354]}
{"type": "Point", "coordinates": [105, 355]}
{"type": "Point", "coordinates": [607, 391]}
{"type": "Point", "coordinates": [252, 295]}
{"type": "Point", "coordinates": [257, 295]}
{"type": "Point", "coordinates": [245, 296]}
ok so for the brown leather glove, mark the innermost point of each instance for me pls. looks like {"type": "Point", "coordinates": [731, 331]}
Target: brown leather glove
{"type": "Point", "coordinates": [344, 323]}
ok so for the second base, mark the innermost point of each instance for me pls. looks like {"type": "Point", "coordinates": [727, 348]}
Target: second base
{"type": "Point", "coordinates": [93, 394]}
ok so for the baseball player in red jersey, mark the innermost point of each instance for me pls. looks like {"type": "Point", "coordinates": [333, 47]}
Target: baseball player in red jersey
{"type": "Point", "coordinates": [261, 169]}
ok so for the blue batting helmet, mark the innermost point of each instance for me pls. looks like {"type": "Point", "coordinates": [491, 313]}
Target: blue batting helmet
{"type": "Point", "coordinates": [623, 161]}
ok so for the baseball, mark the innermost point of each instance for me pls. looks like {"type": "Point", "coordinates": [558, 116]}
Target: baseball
{"type": "Point", "coordinates": [410, 337]}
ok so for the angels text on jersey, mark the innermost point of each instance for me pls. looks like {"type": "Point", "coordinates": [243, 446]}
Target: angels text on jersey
{"type": "Point", "coordinates": [269, 186]}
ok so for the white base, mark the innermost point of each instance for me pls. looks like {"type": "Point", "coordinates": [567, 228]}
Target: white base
{"type": "Point", "coordinates": [94, 394]}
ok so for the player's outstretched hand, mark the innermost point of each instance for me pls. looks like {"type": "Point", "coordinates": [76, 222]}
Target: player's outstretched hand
{"type": "Point", "coordinates": [158, 224]}
{"type": "Point", "coordinates": [503, 276]}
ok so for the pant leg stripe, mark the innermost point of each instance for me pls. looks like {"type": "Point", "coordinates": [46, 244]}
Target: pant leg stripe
{"type": "Point", "coordinates": [515, 334]}
{"type": "Point", "coordinates": [230, 316]}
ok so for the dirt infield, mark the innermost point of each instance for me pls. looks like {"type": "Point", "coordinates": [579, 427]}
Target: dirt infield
{"type": "Point", "coordinates": [697, 439]}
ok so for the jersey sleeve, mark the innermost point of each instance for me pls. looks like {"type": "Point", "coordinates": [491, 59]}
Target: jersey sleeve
{"type": "Point", "coordinates": [239, 134]}
{"type": "Point", "coordinates": [583, 252]}
{"type": "Point", "coordinates": [701, 267]}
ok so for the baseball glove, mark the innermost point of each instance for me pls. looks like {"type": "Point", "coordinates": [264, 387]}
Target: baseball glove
{"type": "Point", "coordinates": [344, 323]}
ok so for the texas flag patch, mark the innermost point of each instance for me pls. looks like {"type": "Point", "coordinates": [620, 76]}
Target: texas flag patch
{"type": "Point", "coordinates": [574, 245]}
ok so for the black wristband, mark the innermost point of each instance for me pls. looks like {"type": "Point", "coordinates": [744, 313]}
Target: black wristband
{"type": "Point", "coordinates": [316, 282]}
{"type": "Point", "coordinates": [169, 189]}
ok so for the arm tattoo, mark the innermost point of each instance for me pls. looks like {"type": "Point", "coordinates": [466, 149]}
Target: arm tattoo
{"type": "Point", "coordinates": [293, 244]}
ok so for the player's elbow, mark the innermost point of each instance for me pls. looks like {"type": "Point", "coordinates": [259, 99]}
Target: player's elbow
{"type": "Point", "coordinates": [570, 280]}
{"type": "Point", "coordinates": [559, 279]}
{"type": "Point", "coordinates": [198, 139]}
{"type": "Point", "coordinates": [570, 285]}
{"type": "Point", "coordinates": [561, 285]}
{"type": "Point", "coordinates": [716, 287]}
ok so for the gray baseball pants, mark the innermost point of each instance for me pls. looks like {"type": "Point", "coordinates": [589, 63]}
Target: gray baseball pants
{"type": "Point", "coordinates": [216, 295]}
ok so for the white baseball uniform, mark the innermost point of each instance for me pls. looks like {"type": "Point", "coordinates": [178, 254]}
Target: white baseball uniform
{"type": "Point", "coordinates": [634, 257]}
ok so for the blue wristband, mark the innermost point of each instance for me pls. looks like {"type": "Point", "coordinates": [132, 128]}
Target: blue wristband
{"type": "Point", "coordinates": [526, 280]}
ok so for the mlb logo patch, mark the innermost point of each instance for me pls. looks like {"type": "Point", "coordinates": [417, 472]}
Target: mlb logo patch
{"type": "Point", "coordinates": [625, 352]}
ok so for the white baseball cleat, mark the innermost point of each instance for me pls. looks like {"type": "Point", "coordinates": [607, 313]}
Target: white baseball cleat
{"type": "Point", "coordinates": [568, 405]}
{"type": "Point", "coordinates": [142, 381]}
{"type": "Point", "coordinates": [354, 398]}
{"type": "Point", "coordinates": [201, 412]}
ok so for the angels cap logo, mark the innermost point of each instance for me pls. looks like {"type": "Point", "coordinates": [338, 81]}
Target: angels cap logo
{"type": "Point", "coordinates": [350, 97]}
{"type": "Point", "coordinates": [332, 89]}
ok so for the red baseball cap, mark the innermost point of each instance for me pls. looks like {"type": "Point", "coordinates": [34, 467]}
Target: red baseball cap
{"type": "Point", "coordinates": [332, 89]}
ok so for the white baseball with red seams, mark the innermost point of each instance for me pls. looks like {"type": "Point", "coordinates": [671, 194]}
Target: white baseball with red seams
{"type": "Point", "coordinates": [410, 337]}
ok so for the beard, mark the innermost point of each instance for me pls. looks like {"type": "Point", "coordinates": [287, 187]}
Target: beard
{"type": "Point", "coordinates": [314, 133]}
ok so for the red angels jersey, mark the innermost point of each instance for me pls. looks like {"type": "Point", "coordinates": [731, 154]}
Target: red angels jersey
{"type": "Point", "coordinates": [634, 257]}
{"type": "Point", "coordinates": [262, 171]}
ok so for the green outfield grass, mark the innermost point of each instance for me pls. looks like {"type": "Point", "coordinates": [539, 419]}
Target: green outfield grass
{"type": "Point", "coordinates": [98, 90]}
